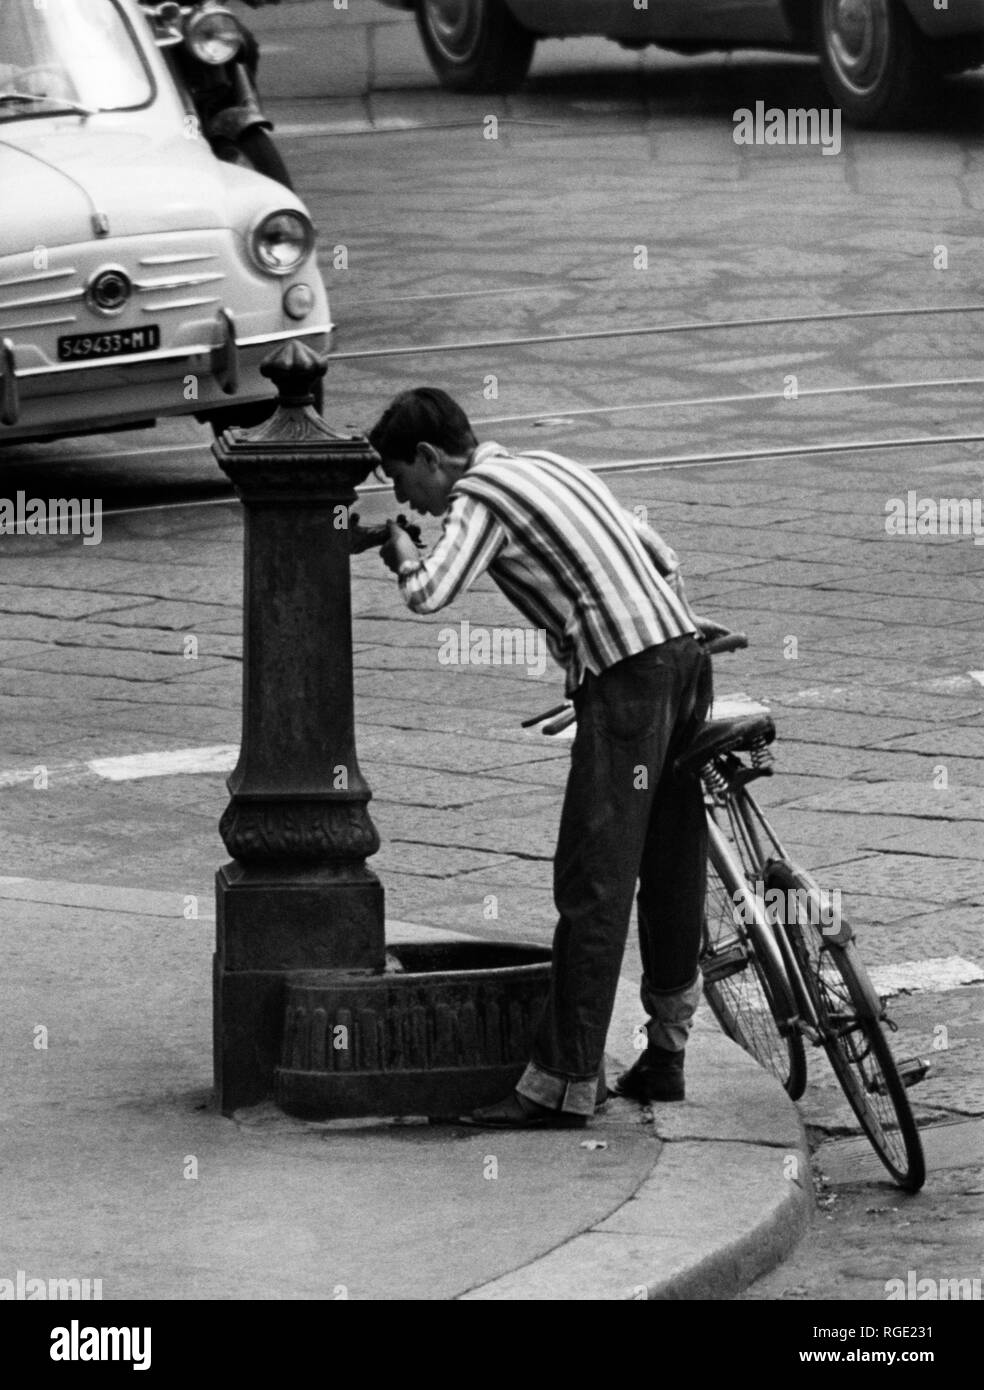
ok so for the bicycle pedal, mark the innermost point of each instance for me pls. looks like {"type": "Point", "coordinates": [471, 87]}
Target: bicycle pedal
{"type": "Point", "coordinates": [724, 963]}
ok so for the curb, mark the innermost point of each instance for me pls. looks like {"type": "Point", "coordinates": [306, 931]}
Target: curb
{"type": "Point", "coordinates": [729, 1196]}
{"type": "Point", "coordinates": [726, 1163]}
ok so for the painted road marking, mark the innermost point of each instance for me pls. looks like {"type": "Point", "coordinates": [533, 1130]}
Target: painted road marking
{"type": "Point", "coordinates": [106, 897]}
{"type": "Point", "coordinates": [935, 973]}
{"type": "Point", "coordinates": [220, 757]}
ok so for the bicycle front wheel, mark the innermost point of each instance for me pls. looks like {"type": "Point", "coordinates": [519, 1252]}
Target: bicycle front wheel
{"type": "Point", "coordinates": [848, 1011]}
{"type": "Point", "coordinates": [746, 988]}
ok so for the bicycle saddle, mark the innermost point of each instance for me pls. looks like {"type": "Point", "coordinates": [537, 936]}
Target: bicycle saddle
{"type": "Point", "coordinates": [719, 736]}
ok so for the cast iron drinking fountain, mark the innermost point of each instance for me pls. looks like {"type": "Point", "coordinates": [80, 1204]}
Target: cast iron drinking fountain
{"type": "Point", "coordinates": [311, 1006]}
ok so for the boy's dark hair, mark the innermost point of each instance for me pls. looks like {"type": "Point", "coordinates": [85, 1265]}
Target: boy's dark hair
{"type": "Point", "coordinates": [425, 415]}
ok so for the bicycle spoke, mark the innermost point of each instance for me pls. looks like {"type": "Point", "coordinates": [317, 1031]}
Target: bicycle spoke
{"type": "Point", "coordinates": [736, 984]}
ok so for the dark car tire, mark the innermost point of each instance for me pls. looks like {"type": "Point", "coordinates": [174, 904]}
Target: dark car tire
{"type": "Point", "coordinates": [475, 45]}
{"type": "Point", "coordinates": [878, 69]}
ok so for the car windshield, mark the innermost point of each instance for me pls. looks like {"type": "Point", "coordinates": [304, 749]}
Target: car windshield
{"type": "Point", "coordinates": [65, 55]}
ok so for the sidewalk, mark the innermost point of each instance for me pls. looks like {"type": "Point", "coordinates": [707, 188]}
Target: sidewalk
{"type": "Point", "coordinates": [117, 1167]}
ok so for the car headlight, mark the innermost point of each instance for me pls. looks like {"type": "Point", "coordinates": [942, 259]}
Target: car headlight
{"type": "Point", "coordinates": [282, 242]}
{"type": "Point", "coordinates": [214, 36]}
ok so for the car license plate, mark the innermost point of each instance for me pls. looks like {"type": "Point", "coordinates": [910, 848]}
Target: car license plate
{"type": "Point", "coordinates": [78, 347]}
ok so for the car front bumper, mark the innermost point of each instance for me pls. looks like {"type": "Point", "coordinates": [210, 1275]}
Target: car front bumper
{"type": "Point", "coordinates": [82, 397]}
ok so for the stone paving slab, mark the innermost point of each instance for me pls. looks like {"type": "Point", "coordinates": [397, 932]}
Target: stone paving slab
{"type": "Point", "coordinates": [60, 603]}
{"type": "Point", "coordinates": [959, 741]}
{"type": "Point", "coordinates": [894, 798]}
{"type": "Point", "coordinates": [922, 768]}
{"type": "Point", "coordinates": [911, 878]}
{"type": "Point", "coordinates": [417, 786]}
{"type": "Point", "coordinates": [176, 616]}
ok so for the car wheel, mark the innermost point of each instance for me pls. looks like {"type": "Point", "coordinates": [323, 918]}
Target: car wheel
{"type": "Point", "coordinates": [874, 60]}
{"type": "Point", "coordinates": [475, 45]}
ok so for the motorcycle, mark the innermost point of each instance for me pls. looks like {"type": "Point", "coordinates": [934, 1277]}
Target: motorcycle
{"type": "Point", "coordinates": [214, 59]}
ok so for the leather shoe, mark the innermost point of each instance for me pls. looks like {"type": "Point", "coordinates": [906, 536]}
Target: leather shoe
{"type": "Point", "coordinates": [656, 1075]}
{"type": "Point", "coordinates": [516, 1112]}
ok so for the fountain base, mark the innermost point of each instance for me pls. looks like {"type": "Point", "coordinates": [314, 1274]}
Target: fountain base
{"type": "Point", "coordinates": [447, 1029]}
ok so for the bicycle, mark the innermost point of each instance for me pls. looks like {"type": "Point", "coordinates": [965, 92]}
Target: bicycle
{"type": "Point", "coordinates": [780, 963]}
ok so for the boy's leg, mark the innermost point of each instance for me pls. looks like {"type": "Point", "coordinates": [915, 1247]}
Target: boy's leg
{"type": "Point", "coordinates": [626, 720]}
{"type": "Point", "coordinates": [672, 887]}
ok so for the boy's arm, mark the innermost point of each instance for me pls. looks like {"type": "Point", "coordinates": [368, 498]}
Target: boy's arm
{"type": "Point", "coordinates": [468, 544]}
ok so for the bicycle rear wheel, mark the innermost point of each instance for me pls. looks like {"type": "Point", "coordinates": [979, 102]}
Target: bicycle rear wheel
{"type": "Point", "coordinates": [848, 1010]}
{"type": "Point", "coordinates": [746, 988]}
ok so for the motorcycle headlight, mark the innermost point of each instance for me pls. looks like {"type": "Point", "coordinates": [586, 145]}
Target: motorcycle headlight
{"type": "Point", "coordinates": [282, 242]}
{"type": "Point", "coordinates": [214, 36]}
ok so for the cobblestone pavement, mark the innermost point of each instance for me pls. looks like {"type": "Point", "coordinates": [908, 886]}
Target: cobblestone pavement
{"type": "Point", "coordinates": [864, 1235]}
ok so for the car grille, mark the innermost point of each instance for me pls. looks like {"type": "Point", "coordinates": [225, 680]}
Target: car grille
{"type": "Point", "coordinates": [163, 281]}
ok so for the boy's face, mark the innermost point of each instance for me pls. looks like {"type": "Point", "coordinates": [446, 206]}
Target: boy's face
{"type": "Point", "coordinates": [423, 484]}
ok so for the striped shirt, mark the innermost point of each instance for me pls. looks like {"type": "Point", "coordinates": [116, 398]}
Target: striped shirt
{"type": "Point", "coordinates": [601, 583]}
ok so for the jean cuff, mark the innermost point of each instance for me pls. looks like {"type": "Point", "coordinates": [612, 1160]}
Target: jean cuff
{"type": "Point", "coordinates": [671, 1014]}
{"type": "Point", "coordinates": [557, 1092]}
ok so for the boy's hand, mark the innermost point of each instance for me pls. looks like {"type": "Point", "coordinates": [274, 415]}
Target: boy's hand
{"type": "Point", "coordinates": [398, 549]}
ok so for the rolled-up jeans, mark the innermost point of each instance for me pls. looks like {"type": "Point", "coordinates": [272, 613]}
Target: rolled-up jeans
{"type": "Point", "coordinates": [627, 816]}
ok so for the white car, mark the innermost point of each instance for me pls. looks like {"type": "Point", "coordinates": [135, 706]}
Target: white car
{"type": "Point", "coordinates": [140, 276]}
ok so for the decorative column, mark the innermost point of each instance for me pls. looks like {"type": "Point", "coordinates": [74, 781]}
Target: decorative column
{"type": "Point", "coordinates": [297, 894]}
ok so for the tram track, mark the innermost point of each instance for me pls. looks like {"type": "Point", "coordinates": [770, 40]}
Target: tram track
{"type": "Point", "coordinates": [593, 335]}
{"type": "Point", "coordinates": [699, 459]}
{"type": "Point", "coordinates": [655, 464]}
